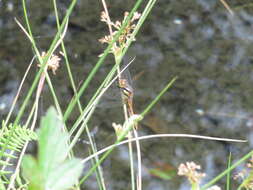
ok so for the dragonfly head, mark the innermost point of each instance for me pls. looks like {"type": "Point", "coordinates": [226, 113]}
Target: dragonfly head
{"type": "Point", "coordinates": [125, 87]}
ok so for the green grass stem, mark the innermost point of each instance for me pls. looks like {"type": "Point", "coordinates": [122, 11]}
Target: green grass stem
{"type": "Point", "coordinates": [100, 62]}
{"type": "Point", "coordinates": [221, 175]}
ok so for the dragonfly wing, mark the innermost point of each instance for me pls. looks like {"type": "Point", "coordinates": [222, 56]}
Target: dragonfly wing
{"type": "Point", "coordinates": [111, 98]}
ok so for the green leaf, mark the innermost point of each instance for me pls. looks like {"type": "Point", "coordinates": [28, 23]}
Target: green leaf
{"type": "Point", "coordinates": [65, 175]}
{"type": "Point", "coordinates": [51, 171]}
{"type": "Point", "coordinates": [164, 171]}
{"type": "Point", "coordinates": [162, 174]}
{"type": "Point", "coordinates": [52, 142]}
{"type": "Point", "coordinates": [2, 187]}
{"type": "Point", "coordinates": [32, 173]}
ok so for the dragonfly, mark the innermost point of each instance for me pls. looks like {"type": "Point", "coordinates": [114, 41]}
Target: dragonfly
{"type": "Point", "coordinates": [123, 92]}
{"type": "Point", "coordinates": [127, 95]}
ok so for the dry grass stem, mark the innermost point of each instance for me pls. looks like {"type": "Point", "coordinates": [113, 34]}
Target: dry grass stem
{"type": "Point", "coordinates": [162, 136]}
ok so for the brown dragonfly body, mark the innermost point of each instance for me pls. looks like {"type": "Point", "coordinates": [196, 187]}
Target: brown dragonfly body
{"type": "Point", "coordinates": [127, 95]}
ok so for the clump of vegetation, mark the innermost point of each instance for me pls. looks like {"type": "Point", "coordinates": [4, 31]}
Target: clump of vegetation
{"type": "Point", "coordinates": [194, 176]}
{"type": "Point", "coordinates": [246, 176]}
{"type": "Point", "coordinates": [51, 169]}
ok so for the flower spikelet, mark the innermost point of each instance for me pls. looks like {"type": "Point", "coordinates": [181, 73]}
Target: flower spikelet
{"type": "Point", "coordinates": [125, 34]}
{"type": "Point", "coordinates": [190, 171]}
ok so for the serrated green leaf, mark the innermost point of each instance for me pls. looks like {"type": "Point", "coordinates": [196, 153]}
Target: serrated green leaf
{"type": "Point", "coordinates": [31, 171]}
{"type": "Point", "coordinates": [52, 142]}
{"type": "Point", "coordinates": [51, 170]}
{"type": "Point", "coordinates": [65, 175]}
